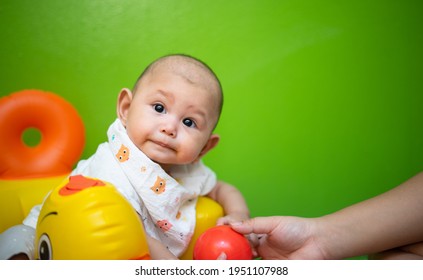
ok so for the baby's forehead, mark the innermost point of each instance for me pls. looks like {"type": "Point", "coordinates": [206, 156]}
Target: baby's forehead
{"type": "Point", "coordinates": [187, 68]}
{"type": "Point", "coordinates": [190, 72]}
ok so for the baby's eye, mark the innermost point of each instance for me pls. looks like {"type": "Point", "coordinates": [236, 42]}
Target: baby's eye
{"type": "Point", "coordinates": [159, 108]}
{"type": "Point", "coordinates": [189, 123]}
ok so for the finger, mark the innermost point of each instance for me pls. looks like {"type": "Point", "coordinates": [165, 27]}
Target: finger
{"type": "Point", "coordinates": [258, 225]}
{"type": "Point", "coordinates": [222, 221]}
{"type": "Point", "coordinates": [254, 242]}
{"type": "Point", "coordinates": [253, 239]}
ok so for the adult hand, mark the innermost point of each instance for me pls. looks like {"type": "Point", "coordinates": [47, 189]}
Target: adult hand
{"type": "Point", "coordinates": [284, 237]}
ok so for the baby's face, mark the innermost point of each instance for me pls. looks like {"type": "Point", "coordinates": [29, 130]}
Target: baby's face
{"type": "Point", "coordinates": [171, 119]}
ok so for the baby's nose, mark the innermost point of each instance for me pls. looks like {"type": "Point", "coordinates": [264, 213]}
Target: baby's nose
{"type": "Point", "coordinates": [169, 127]}
{"type": "Point", "coordinates": [168, 131]}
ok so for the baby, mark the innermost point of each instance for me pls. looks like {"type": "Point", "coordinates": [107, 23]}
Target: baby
{"type": "Point", "coordinates": [164, 127]}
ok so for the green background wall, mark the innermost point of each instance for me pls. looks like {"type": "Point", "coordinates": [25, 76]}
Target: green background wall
{"type": "Point", "coordinates": [323, 99]}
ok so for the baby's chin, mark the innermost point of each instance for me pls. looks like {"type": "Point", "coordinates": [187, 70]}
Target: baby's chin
{"type": "Point", "coordinates": [167, 163]}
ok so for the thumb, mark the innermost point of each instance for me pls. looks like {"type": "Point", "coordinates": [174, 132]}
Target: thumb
{"type": "Point", "coordinates": [258, 225]}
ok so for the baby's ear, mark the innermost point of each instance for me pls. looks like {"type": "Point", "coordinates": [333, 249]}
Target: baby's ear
{"type": "Point", "coordinates": [123, 105]}
{"type": "Point", "coordinates": [211, 143]}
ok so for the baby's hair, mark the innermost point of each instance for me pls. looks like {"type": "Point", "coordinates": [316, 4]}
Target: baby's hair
{"type": "Point", "coordinates": [190, 59]}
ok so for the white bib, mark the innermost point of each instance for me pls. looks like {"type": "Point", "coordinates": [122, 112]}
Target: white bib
{"type": "Point", "coordinates": [165, 203]}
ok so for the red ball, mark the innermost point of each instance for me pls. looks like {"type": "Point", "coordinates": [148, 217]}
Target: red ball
{"type": "Point", "coordinates": [222, 239]}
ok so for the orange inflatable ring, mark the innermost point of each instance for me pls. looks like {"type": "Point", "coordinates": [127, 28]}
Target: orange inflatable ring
{"type": "Point", "coordinates": [62, 135]}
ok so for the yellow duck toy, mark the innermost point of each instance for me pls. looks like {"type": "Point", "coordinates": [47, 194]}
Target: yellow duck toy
{"type": "Point", "coordinates": [86, 218]}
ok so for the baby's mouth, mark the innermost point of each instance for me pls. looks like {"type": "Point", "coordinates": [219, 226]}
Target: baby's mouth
{"type": "Point", "coordinates": [162, 144]}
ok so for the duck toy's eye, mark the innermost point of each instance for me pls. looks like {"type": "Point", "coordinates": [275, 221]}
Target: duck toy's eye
{"type": "Point", "coordinates": [45, 251]}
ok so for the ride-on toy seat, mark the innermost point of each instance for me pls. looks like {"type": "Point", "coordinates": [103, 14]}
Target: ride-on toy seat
{"type": "Point", "coordinates": [28, 174]}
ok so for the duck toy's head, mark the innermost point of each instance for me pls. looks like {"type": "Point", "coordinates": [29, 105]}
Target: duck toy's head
{"type": "Point", "coordinates": [86, 218]}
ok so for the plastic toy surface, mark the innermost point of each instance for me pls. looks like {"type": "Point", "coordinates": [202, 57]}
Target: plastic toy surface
{"type": "Point", "coordinates": [220, 240]}
{"type": "Point", "coordinates": [86, 218]}
{"type": "Point", "coordinates": [27, 173]}
{"type": "Point", "coordinates": [208, 212]}
{"type": "Point", "coordinates": [61, 128]}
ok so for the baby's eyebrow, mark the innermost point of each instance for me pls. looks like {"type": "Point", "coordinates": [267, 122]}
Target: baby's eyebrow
{"type": "Point", "coordinates": [195, 111]}
{"type": "Point", "coordinates": [199, 112]}
{"type": "Point", "coordinates": [166, 95]}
